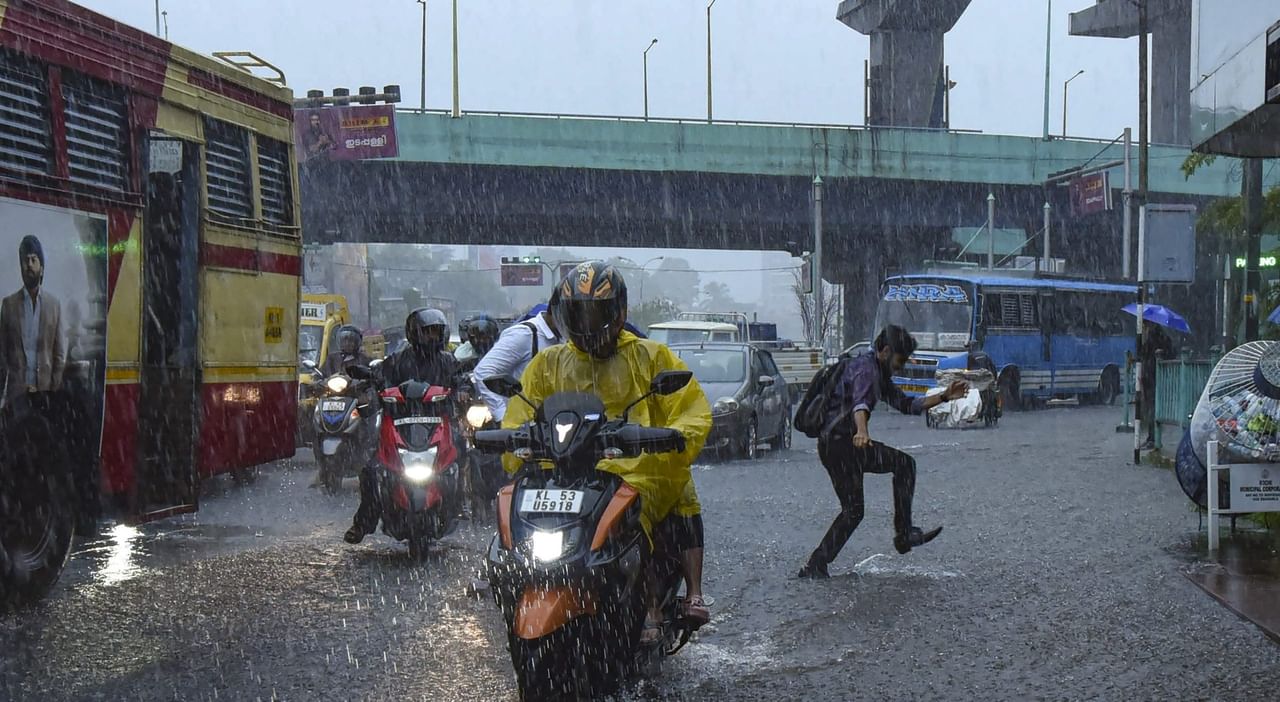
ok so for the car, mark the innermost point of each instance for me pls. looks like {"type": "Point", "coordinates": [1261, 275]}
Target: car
{"type": "Point", "coordinates": [750, 401]}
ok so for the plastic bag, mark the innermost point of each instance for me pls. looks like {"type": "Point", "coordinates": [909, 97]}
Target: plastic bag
{"type": "Point", "coordinates": [979, 380]}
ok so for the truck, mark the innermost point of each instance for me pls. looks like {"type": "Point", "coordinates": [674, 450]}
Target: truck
{"type": "Point", "coordinates": [798, 363]}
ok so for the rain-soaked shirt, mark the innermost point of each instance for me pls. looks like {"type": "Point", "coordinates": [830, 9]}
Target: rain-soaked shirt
{"type": "Point", "coordinates": [662, 479]}
{"type": "Point", "coordinates": [862, 386]}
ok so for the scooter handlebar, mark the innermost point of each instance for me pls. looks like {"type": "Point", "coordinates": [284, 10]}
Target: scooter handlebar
{"type": "Point", "coordinates": [634, 438]}
{"type": "Point", "coordinates": [493, 440]}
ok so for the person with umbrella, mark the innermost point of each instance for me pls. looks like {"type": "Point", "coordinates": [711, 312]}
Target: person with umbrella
{"type": "Point", "coordinates": [1156, 345]}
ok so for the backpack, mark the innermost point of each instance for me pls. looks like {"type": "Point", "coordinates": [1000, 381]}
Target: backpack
{"type": "Point", "coordinates": [811, 413]}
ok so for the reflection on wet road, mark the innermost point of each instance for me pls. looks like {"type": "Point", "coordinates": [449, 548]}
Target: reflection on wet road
{"type": "Point", "coordinates": [1054, 579]}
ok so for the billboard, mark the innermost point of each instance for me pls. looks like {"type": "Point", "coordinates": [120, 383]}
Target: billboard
{"type": "Point", "coordinates": [345, 133]}
{"type": "Point", "coordinates": [53, 316]}
{"type": "Point", "coordinates": [1090, 194]}
{"type": "Point", "coordinates": [516, 274]}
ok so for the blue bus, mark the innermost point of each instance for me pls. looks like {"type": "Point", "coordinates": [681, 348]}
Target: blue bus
{"type": "Point", "coordinates": [1047, 338]}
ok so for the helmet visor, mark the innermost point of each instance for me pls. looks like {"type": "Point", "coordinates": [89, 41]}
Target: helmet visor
{"type": "Point", "coordinates": [592, 325]}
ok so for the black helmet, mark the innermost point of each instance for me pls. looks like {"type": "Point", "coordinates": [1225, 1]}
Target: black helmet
{"type": "Point", "coordinates": [349, 340]}
{"type": "Point", "coordinates": [590, 307]}
{"type": "Point", "coordinates": [482, 332]}
{"type": "Point", "coordinates": [416, 328]}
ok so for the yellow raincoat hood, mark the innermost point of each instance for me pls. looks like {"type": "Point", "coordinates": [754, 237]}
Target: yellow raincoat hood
{"type": "Point", "coordinates": [619, 381]}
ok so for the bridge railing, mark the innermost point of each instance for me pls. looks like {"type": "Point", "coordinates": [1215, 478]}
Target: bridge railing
{"type": "Point", "coordinates": [678, 120]}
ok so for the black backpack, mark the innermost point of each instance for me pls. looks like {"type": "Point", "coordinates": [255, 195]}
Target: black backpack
{"type": "Point", "coordinates": [811, 413]}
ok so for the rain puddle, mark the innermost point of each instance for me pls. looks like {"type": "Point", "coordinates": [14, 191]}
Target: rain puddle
{"type": "Point", "coordinates": [882, 564]}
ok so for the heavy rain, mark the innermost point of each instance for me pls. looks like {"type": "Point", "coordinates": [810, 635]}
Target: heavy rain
{"type": "Point", "coordinates": [675, 350]}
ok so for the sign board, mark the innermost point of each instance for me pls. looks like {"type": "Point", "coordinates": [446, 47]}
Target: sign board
{"type": "Point", "coordinates": [273, 325]}
{"type": "Point", "coordinates": [312, 312]}
{"type": "Point", "coordinates": [165, 155]}
{"type": "Point", "coordinates": [1255, 487]}
{"type": "Point", "coordinates": [517, 274]}
{"type": "Point", "coordinates": [1091, 194]}
{"type": "Point", "coordinates": [925, 292]}
{"type": "Point", "coordinates": [345, 133]}
{"type": "Point", "coordinates": [1167, 244]}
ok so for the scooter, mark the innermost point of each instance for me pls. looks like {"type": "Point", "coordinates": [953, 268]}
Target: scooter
{"type": "Point", "coordinates": [570, 567]}
{"type": "Point", "coordinates": [417, 462]}
{"type": "Point", "coordinates": [345, 426]}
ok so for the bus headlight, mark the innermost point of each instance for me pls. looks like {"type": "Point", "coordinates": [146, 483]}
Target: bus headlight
{"type": "Point", "coordinates": [478, 416]}
{"type": "Point", "coordinates": [337, 384]}
{"type": "Point", "coordinates": [546, 546]}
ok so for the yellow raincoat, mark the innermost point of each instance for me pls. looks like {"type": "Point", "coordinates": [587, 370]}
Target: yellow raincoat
{"type": "Point", "coordinates": [662, 479]}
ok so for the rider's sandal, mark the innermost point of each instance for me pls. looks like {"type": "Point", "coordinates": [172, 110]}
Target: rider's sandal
{"type": "Point", "coordinates": [651, 635]}
{"type": "Point", "coordinates": [696, 611]}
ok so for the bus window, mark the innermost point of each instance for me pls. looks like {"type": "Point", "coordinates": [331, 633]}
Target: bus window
{"type": "Point", "coordinates": [1012, 310]}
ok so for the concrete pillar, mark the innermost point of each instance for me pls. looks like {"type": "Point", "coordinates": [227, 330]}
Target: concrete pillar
{"type": "Point", "coordinates": [906, 78]}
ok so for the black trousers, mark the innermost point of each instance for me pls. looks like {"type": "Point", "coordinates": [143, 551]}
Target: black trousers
{"type": "Point", "coordinates": [846, 465]}
{"type": "Point", "coordinates": [370, 509]}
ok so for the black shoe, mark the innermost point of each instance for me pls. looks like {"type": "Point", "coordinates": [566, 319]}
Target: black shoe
{"type": "Point", "coordinates": [905, 541]}
{"type": "Point", "coordinates": [814, 571]}
{"type": "Point", "coordinates": [354, 535]}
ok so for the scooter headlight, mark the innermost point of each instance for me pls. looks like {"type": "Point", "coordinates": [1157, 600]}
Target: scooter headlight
{"type": "Point", "coordinates": [419, 467]}
{"type": "Point", "coordinates": [337, 384]}
{"type": "Point", "coordinates": [546, 546]}
{"type": "Point", "coordinates": [478, 416]}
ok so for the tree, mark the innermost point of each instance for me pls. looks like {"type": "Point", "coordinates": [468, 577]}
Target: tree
{"type": "Point", "coordinates": [808, 312]}
{"type": "Point", "coordinates": [717, 298]}
{"type": "Point", "coordinates": [652, 312]}
{"type": "Point", "coordinates": [674, 279]}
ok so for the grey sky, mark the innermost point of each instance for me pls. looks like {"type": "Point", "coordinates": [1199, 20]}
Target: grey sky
{"type": "Point", "coordinates": [775, 60]}
{"type": "Point", "coordinates": [780, 60]}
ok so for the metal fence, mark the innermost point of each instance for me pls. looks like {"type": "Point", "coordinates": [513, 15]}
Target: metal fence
{"type": "Point", "coordinates": [1178, 387]}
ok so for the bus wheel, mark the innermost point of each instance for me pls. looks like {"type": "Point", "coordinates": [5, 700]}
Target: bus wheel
{"type": "Point", "coordinates": [1109, 386]}
{"type": "Point", "coordinates": [37, 518]}
{"type": "Point", "coordinates": [1011, 390]}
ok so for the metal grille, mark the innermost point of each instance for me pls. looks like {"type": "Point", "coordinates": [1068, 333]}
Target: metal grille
{"type": "Point", "coordinates": [273, 177]}
{"type": "Point", "coordinates": [1017, 310]}
{"type": "Point", "coordinates": [919, 368]}
{"type": "Point", "coordinates": [24, 117]}
{"type": "Point", "coordinates": [226, 161]}
{"type": "Point", "coordinates": [97, 135]}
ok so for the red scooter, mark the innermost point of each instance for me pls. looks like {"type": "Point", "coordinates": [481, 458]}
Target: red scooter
{"type": "Point", "coordinates": [419, 479]}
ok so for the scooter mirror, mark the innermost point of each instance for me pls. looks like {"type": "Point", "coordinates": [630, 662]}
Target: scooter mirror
{"type": "Point", "coordinates": [670, 381]}
{"type": "Point", "coordinates": [505, 385]}
{"type": "Point", "coordinates": [309, 364]}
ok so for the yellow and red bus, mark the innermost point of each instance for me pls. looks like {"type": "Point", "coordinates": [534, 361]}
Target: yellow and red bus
{"type": "Point", "coordinates": [155, 190]}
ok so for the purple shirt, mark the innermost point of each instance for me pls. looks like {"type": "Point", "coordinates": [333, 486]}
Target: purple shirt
{"type": "Point", "coordinates": [862, 387]}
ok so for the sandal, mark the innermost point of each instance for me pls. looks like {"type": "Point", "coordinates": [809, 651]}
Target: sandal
{"type": "Point", "coordinates": [696, 611]}
{"type": "Point", "coordinates": [651, 635]}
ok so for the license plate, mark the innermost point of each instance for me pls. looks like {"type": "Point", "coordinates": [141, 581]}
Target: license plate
{"type": "Point", "coordinates": [418, 420]}
{"type": "Point", "coordinates": [915, 388]}
{"type": "Point", "coordinates": [333, 405]}
{"type": "Point", "coordinates": [552, 501]}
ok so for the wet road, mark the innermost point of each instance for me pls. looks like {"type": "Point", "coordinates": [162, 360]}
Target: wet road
{"type": "Point", "coordinates": [1058, 577]}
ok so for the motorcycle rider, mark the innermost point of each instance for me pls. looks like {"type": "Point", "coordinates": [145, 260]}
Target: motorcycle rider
{"type": "Point", "coordinates": [590, 308]}
{"type": "Point", "coordinates": [349, 353]}
{"type": "Point", "coordinates": [481, 334]}
{"type": "Point", "coordinates": [424, 360]}
{"type": "Point", "coordinates": [510, 355]}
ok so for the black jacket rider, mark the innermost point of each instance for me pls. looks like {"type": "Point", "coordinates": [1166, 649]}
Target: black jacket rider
{"type": "Point", "coordinates": [434, 368]}
{"type": "Point", "coordinates": [338, 362]}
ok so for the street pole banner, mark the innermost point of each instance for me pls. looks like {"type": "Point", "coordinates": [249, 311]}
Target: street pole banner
{"type": "Point", "coordinates": [345, 133]}
{"type": "Point", "coordinates": [1091, 194]}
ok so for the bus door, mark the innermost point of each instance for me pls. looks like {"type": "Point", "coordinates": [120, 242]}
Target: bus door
{"type": "Point", "coordinates": [169, 401]}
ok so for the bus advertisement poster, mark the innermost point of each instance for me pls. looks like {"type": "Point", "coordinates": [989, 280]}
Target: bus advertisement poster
{"type": "Point", "coordinates": [53, 318]}
{"type": "Point", "coordinates": [345, 133]}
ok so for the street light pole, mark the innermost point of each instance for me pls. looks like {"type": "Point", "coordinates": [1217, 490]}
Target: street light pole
{"type": "Point", "coordinates": [819, 321]}
{"type": "Point", "coordinates": [423, 101]}
{"type": "Point", "coordinates": [642, 274]}
{"type": "Point", "coordinates": [645, 60]}
{"type": "Point", "coordinates": [157, 17]}
{"type": "Point", "coordinates": [1064, 100]}
{"type": "Point", "coordinates": [709, 59]}
{"type": "Point", "coordinates": [457, 109]}
{"type": "Point", "coordinates": [1048, 41]}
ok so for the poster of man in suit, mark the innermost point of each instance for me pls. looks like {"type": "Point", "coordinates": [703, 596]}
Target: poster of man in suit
{"type": "Point", "coordinates": [53, 315]}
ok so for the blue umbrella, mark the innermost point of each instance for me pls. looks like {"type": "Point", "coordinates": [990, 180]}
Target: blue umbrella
{"type": "Point", "coordinates": [1274, 317]}
{"type": "Point", "coordinates": [1159, 314]}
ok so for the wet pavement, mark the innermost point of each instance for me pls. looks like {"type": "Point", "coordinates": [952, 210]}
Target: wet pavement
{"type": "Point", "coordinates": [1059, 576]}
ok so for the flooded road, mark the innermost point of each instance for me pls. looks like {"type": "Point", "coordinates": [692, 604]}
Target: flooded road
{"type": "Point", "coordinates": [1057, 577]}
